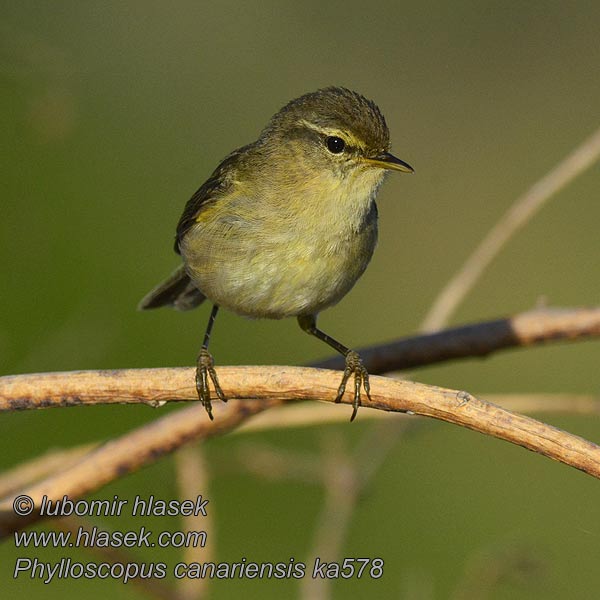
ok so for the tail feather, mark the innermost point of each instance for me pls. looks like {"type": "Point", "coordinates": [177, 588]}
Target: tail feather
{"type": "Point", "coordinates": [176, 291]}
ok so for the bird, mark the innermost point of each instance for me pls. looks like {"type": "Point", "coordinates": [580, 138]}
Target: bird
{"type": "Point", "coordinates": [286, 225]}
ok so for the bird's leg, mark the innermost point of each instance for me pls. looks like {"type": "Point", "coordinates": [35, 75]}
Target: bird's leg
{"type": "Point", "coordinates": [354, 365]}
{"type": "Point", "coordinates": [205, 369]}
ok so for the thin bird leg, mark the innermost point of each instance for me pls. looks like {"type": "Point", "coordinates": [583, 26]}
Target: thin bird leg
{"type": "Point", "coordinates": [205, 369]}
{"type": "Point", "coordinates": [354, 364]}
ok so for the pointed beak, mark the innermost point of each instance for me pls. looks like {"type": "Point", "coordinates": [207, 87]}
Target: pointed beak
{"type": "Point", "coordinates": [385, 160]}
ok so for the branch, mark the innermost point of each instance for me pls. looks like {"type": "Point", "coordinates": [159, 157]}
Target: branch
{"type": "Point", "coordinates": [275, 386]}
{"type": "Point", "coordinates": [523, 209]}
{"type": "Point", "coordinates": [294, 416]}
{"type": "Point", "coordinates": [193, 474]}
{"type": "Point", "coordinates": [268, 387]}
{"type": "Point", "coordinates": [539, 326]}
{"type": "Point", "coordinates": [40, 467]}
{"type": "Point", "coordinates": [21, 392]}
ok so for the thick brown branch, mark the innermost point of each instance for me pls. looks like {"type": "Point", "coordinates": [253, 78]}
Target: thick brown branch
{"type": "Point", "coordinates": [538, 326]}
{"type": "Point", "coordinates": [269, 387]}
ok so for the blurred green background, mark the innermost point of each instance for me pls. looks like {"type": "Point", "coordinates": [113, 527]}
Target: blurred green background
{"type": "Point", "coordinates": [114, 113]}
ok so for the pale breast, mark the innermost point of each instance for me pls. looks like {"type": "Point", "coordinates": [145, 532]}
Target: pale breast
{"type": "Point", "coordinates": [242, 264]}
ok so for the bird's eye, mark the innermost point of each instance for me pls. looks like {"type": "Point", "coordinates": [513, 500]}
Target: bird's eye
{"type": "Point", "coordinates": [335, 145]}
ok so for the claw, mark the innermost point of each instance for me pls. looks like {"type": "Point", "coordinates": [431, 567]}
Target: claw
{"type": "Point", "coordinates": [205, 370]}
{"type": "Point", "coordinates": [354, 366]}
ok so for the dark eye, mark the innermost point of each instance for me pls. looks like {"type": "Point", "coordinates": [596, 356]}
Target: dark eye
{"type": "Point", "coordinates": [335, 144]}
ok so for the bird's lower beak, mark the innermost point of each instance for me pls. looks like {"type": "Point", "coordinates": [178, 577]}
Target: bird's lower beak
{"type": "Point", "coordinates": [385, 160]}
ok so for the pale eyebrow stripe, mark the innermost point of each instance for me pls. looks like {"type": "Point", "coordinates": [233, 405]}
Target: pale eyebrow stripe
{"type": "Point", "coordinates": [350, 139]}
{"type": "Point", "coordinates": [324, 130]}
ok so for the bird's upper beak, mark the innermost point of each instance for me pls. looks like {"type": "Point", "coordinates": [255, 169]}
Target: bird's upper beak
{"type": "Point", "coordinates": [385, 160]}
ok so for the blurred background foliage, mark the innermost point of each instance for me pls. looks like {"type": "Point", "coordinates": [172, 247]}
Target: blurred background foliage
{"type": "Point", "coordinates": [114, 113]}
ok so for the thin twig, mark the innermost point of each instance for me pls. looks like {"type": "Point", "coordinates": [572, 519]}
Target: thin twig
{"type": "Point", "coordinates": [39, 467]}
{"type": "Point", "coordinates": [524, 208]}
{"type": "Point", "coordinates": [193, 479]}
{"type": "Point", "coordinates": [274, 463]}
{"type": "Point", "coordinates": [341, 483]}
{"type": "Point", "coordinates": [345, 475]}
{"type": "Point", "coordinates": [150, 587]}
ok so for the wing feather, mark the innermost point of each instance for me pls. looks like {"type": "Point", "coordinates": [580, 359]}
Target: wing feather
{"type": "Point", "coordinates": [216, 186]}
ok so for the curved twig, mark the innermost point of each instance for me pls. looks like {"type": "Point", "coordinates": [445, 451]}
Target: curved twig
{"type": "Point", "coordinates": [524, 207]}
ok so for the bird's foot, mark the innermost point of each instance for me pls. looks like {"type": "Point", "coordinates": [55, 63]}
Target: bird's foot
{"type": "Point", "coordinates": [205, 369]}
{"type": "Point", "coordinates": [354, 366]}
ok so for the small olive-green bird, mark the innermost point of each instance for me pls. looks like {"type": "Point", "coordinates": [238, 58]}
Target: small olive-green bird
{"type": "Point", "coordinates": [286, 225]}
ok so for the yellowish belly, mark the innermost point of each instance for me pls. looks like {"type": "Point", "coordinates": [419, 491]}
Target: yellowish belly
{"type": "Point", "coordinates": [285, 274]}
